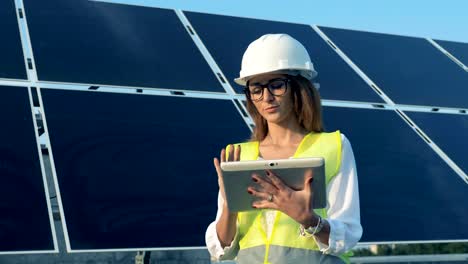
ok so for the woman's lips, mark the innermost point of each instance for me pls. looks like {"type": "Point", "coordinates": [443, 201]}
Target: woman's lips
{"type": "Point", "coordinates": [271, 109]}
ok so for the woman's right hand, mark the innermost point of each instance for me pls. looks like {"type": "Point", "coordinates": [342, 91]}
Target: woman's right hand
{"type": "Point", "coordinates": [234, 155]}
{"type": "Point", "coordinates": [226, 226]}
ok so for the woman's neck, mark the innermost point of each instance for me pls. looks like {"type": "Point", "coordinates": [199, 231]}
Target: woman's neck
{"type": "Point", "coordinates": [284, 135]}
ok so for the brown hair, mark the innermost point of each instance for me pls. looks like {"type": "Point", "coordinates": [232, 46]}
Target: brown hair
{"type": "Point", "coordinates": [307, 108]}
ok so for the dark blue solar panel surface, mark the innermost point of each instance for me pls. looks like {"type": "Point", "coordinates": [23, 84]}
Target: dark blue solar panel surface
{"type": "Point", "coordinates": [114, 44]}
{"type": "Point", "coordinates": [24, 217]}
{"type": "Point", "coordinates": [457, 49]}
{"type": "Point", "coordinates": [11, 52]}
{"type": "Point", "coordinates": [407, 192]}
{"type": "Point", "coordinates": [136, 171]}
{"type": "Point", "coordinates": [337, 80]}
{"type": "Point", "coordinates": [409, 70]}
{"type": "Point", "coordinates": [449, 132]}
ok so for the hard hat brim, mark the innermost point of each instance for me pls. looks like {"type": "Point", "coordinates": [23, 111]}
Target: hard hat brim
{"type": "Point", "coordinates": [312, 74]}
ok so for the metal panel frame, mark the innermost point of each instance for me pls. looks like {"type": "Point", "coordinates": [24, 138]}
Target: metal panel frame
{"type": "Point", "coordinates": [411, 258]}
{"type": "Point", "coordinates": [26, 42]}
{"type": "Point", "coordinates": [412, 242]}
{"type": "Point", "coordinates": [448, 54]}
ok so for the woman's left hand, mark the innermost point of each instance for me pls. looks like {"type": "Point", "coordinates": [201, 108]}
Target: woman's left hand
{"type": "Point", "coordinates": [275, 194]}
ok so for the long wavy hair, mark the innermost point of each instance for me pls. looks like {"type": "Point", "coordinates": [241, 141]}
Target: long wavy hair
{"type": "Point", "coordinates": [307, 108]}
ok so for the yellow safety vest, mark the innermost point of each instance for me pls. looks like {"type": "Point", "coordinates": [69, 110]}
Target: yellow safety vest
{"type": "Point", "coordinates": [285, 245]}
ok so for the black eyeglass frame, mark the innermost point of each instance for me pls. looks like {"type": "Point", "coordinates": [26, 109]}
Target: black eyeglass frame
{"type": "Point", "coordinates": [267, 85]}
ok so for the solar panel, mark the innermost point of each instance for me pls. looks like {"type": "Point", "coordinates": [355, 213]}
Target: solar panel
{"type": "Point", "coordinates": [448, 131]}
{"type": "Point", "coordinates": [407, 192]}
{"type": "Point", "coordinates": [112, 44]}
{"type": "Point", "coordinates": [24, 220]}
{"type": "Point", "coordinates": [240, 32]}
{"type": "Point", "coordinates": [12, 66]}
{"type": "Point", "coordinates": [458, 49]}
{"type": "Point", "coordinates": [133, 168]}
{"type": "Point", "coordinates": [409, 70]}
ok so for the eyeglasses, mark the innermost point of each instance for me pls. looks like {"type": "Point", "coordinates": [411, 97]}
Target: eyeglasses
{"type": "Point", "coordinates": [276, 87]}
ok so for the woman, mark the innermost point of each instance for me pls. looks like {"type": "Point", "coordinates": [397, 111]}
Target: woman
{"type": "Point", "coordinates": [285, 106]}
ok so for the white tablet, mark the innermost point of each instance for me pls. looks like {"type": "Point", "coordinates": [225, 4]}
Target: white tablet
{"type": "Point", "coordinates": [237, 176]}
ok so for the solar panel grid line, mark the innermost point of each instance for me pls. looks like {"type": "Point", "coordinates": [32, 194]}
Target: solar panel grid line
{"type": "Point", "coordinates": [448, 54]}
{"type": "Point", "coordinates": [130, 89]}
{"type": "Point", "coordinates": [18, 83]}
{"type": "Point", "coordinates": [354, 104]}
{"type": "Point", "coordinates": [152, 91]}
{"type": "Point", "coordinates": [44, 177]}
{"type": "Point", "coordinates": [177, 89]}
{"type": "Point", "coordinates": [187, 94]}
{"type": "Point", "coordinates": [85, 86]}
{"type": "Point", "coordinates": [19, 23]}
{"type": "Point", "coordinates": [26, 43]}
{"type": "Point", "coordinates": [201, 94]}
{"type": "Point", "coordinates": [429, 109]}
{"type": "Point", "coordinates": [214, 95]}
{"type": "Point", "coordinates": [134, 249]}
{"type": "Point", "coordinates": [363, 75]}
{"type": "Point", "coordinates": [426, 258]}
{"type": "Point", "coordinates": [243, 101]}
{"type": "Point", "coordinates": [459, 50]}
{"type": "Point", "coordinates": [413, 242]}
{"type": "Point", "coordinates": [239, 97]}
{"type": "Point", "coordinates": [451, 141]}
{"type": "Point", "coordinates": [211, 61]}
{"type": "Point", "coordinates": [54, 172]}
{"type": "Point", "coordinates": [433, 146]}
{"type": "Point", "coordinates": [432, 108]}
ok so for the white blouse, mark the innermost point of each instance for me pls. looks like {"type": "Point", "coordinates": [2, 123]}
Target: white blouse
{"type": "Point", "coordinates": [342, 211]}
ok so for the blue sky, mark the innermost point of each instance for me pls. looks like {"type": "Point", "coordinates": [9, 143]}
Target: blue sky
{"type": "Point", "coordinates": [447, 20]}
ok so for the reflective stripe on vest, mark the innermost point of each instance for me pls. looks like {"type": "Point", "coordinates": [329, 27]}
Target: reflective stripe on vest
{"type": "Point", "coordinates": [285, 241]}
{"type": "Point", "coordinates": [279, 254]}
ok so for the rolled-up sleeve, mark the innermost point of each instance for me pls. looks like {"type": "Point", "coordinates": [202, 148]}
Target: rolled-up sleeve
{"type": "Point", "coordinates": [217, 252]}
{"type": "Point", "coordinates": [343, 212]}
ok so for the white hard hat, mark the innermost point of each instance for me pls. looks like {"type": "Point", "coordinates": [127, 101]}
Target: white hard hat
{"type": "Point", "coordinates": [273, 53]}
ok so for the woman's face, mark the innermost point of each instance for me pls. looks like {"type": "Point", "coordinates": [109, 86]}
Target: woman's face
{"type": "Point", "coordinates": [275, 109]}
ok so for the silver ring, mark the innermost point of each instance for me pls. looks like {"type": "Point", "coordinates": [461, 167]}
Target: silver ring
{"type": "Point", "coordinates": [270, 197]}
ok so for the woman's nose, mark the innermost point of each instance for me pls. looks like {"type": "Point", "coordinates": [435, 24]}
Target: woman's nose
{"type": "Point", "coordinates": [267, 96]}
